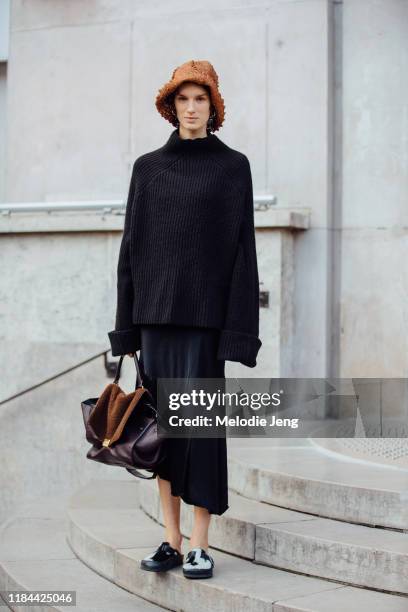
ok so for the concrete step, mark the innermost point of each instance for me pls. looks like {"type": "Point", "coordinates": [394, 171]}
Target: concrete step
{"type": "Point", "coordinates": [326, 548]}
{"type": "Point", "coordinates": [305, 478]}
{"type": "Point", "coordinates": [35, 555]}
{"type": "Point", "coordinates": [114, 542]}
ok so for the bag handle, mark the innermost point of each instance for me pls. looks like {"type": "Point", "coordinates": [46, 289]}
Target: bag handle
{"type": "Point", "coordinates": [139, 380]}
{"type": "Point", "coordinates": [136, 472]}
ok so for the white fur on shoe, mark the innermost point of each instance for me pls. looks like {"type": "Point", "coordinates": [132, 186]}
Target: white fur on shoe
{"type": "Point", "coordinates": [198, 559]}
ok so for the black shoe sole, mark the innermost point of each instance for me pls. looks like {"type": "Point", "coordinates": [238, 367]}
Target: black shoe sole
{"type": "Point", "coordinates": [164, 567]}
{"type": "Point", "coordinates": [198, 574]}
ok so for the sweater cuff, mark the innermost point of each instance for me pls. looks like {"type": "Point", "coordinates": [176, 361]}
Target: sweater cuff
{"type": "Point", "coordinates": [238, 346]}
{"type": "Point", "coordinates": [125, 341]}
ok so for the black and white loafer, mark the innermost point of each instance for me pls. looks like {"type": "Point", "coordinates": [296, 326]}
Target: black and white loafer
{"type": "Point", "coordinates": [164, 558]}
{"type": "Point", "coordinates": [199, 564]}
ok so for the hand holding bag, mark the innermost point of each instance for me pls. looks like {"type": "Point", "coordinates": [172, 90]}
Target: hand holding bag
{"type": "Point", "coordinates": [122, 428]}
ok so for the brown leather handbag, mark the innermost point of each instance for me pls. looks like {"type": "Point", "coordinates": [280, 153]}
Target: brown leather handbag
{"type": "Point", "coordinates": [122, 428]}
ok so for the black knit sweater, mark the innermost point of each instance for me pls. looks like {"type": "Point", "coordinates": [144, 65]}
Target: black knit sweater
{"type": "Point", "coordinates": [187, 255]}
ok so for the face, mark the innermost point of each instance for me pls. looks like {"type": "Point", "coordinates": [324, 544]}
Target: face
{"type": "Point", "coordinates": [193, 106]}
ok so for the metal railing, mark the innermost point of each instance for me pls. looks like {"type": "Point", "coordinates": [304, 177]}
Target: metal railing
{"type": "Point", "coordinates": [106, 206]}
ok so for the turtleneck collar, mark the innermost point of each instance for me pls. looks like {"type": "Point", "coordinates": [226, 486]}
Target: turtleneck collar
{"type": "Point", "coordinates": [190, 146]}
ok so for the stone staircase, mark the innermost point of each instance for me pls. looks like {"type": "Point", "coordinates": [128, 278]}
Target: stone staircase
{"type": "Point", "coordinates": [300, 476]}
{"type": "Point", "coordinates": [35, 555]}
{"type": "Point", "coordinates": [304, 531]}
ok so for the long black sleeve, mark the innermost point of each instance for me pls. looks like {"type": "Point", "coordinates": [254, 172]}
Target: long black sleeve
{"type": "Point", "coordinates": [125, 338]}
{"type": "Point", "coordinates": [239, 339]}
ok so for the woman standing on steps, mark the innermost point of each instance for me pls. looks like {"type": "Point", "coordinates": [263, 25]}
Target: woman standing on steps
{"type": "Point", "coordinates": [188, 291]}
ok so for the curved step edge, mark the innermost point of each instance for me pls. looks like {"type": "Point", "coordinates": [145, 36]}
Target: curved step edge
{"type": "Point", "coordinates": [363, 505]}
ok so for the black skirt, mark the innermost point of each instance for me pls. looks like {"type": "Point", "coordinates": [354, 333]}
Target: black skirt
{"type": "Point", "coordinates": [195, 467]}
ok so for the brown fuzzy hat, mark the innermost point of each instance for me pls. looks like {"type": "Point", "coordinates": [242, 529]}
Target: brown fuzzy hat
{"type": "Point", "coordinates": [198, 71]}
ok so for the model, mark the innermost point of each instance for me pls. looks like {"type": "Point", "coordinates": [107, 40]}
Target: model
{"type": "Point", "coordinates": [188, 289]}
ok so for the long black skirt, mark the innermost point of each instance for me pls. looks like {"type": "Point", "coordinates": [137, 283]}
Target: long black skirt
{"type": "Point", "coordinates": [195, 467]}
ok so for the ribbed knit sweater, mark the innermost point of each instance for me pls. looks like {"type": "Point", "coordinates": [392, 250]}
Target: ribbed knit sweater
{"type": "Point", "coordinates": [188, 254]}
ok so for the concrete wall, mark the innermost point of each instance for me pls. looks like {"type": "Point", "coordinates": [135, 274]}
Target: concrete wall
{"type": "Point", "coordinates": [374, 256]}
{"type": "Point", "coordinates": [57, 301]}
{"type": "Point", "coordinates": [4, 29]}
{"type": "Point", "coordinates": [3, 129]}
{"type": "Point", "coordinates": [82, 85]}
{"type": "Point", "coordinates": [315, 96]}
{"type": "Point", "coordinates": [4, 51]}
{"type": "Point", "coordinates": [58, 292]}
